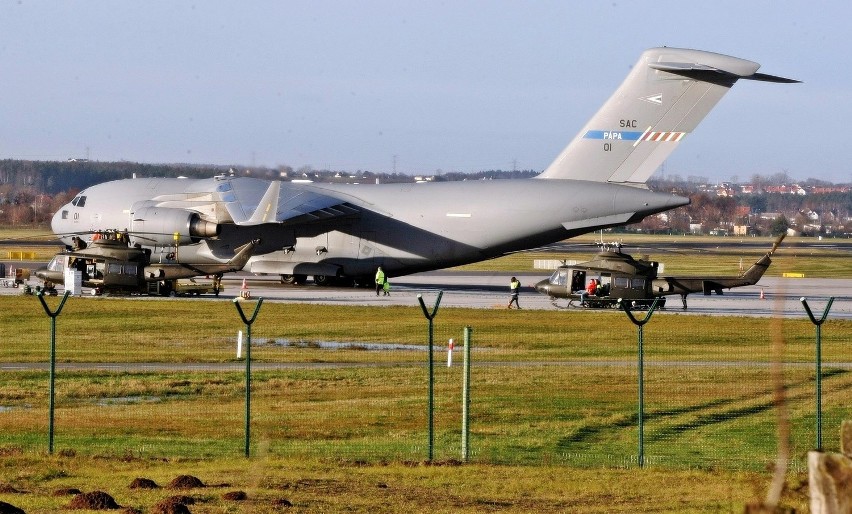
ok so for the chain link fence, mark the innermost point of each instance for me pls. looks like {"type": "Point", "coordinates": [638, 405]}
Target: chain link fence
{"type": "Point", "coordinates": [163, 379]}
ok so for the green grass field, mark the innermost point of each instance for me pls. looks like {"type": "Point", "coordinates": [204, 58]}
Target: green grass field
{"type": "Point", "coordinates": [553, 412]}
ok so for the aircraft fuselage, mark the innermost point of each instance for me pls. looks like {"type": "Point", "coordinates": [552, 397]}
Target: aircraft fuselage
{"type": "Point", "coordinates": [404, 228]}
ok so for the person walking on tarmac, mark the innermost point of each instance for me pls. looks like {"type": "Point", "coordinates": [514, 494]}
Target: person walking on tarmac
{"type": "Point", "coordinates": [380, 280]}
{"type": "Point", "coordinates": [514, 290]}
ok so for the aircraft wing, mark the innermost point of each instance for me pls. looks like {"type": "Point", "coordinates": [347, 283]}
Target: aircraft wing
{"type": "Point", "coordinates": [254, 202]}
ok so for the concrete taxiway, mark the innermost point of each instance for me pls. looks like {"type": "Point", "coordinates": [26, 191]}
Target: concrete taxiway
{"type": "Point", "coordinates": [490, 290]}
{"type": "Point", "coordinates": [486, 290]}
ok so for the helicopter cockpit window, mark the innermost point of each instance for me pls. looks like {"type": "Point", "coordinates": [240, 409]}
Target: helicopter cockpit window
{"type": "Point", "coordinates": [559, 277]}
{"type": "Point", "coordinates": [79, 201]}
{"type": "Point", "coordinates": [55, 264]}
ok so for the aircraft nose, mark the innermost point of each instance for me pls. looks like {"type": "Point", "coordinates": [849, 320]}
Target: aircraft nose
{"type": "Point", "coordinates": [543, 287]}
{"type": "Point", "coordinates": [56, 222]}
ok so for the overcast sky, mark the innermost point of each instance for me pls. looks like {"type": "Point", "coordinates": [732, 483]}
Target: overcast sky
{"type": "Point", "coordinates": [424, 86]}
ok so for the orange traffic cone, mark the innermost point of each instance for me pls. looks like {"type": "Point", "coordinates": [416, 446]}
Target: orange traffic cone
{"type": "Point", "coordinates": [762, 296]}
{"type": "Point", "coordinates": [244, 291]}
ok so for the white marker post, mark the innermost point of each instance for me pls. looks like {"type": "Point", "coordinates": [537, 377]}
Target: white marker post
{"type": "Point", "coordinates": [239, 344]}
{"type": "Point", "coordinates": [450, 353]}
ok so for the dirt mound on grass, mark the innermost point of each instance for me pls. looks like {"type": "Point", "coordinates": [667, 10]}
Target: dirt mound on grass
{"type": "Point", "coordinates": [8, 489]}
{"type": "Point", "coordinates": [185, 482]}
{"type": "Point", "coordinates": [143, 483]}
{"type": "Point", "coordinates": [95, 500]}
{"type": "Point", "coordinates": [6, 508]}
{"type": "Point", "coordinates": [235, 496]}
{"type": "Point", "coordinates": [170, 506]}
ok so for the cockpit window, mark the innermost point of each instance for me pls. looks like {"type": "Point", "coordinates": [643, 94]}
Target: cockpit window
{"type": "Point", "coordinates": [55, 264]}
{"type": "Point", "coordinates": [79, 201]}
{"type": "Point", "coordinates": [559, 277]}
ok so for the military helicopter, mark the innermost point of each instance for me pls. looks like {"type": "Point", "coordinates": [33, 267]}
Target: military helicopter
{"type": "Point", "coordinates": [618, 277]}
{"type": "Point", "coordinates": [110, 264]}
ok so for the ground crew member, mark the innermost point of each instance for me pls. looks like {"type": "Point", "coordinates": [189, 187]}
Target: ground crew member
{"type": "Point", "coordinates": [380, 280]}
{"type": "Point", "coordinates": [514, 289]}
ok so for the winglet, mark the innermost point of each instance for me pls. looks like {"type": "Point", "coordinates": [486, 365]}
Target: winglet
{"type": "Point", "coordinates": [267, 208]}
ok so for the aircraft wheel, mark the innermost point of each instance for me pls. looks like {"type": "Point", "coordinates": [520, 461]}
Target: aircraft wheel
{"type": "Point", "coordinates": [322, 280]}
{"type": "Point", "coordinates": [172, 294]}
{"type": "Point", "coordinates": [288, 279]}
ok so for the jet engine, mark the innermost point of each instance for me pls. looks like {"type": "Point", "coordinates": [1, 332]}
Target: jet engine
{"type": "Point", "coordinates": [158, 226]}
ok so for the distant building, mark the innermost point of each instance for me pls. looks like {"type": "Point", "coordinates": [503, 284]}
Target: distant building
{"type": "Point", "coordinates": [794, 189]}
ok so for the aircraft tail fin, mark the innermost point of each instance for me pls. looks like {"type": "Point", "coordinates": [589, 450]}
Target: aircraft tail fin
{"type": "Point", "coordinates": [664, 97]}
{"type": "Point", "coordinates": [756, 270]}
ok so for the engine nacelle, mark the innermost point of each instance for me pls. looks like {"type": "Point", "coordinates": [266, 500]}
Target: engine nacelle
{"type": "Point", "coordinates": [158, 226]}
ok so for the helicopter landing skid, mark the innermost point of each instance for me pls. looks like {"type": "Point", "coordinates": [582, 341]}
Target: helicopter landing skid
{"type": "Point", "coordinates": [591, 303]}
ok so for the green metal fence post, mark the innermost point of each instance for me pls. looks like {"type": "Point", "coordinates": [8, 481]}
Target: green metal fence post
{"type": "Point", "coordinates": [640, 324]}
{"type": "Point", "coordinates": [248, 322]}
{"type": "Point", "coordinates": [465, 450]}
{"type": "Point", "coordinates": [430, 317]}
{"type": "Point", "coordinates": [53, 315]}
{"type": "Point", "coordinates": [818, 324]}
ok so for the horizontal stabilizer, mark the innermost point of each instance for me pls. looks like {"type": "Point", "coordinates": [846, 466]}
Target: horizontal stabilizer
{"type": "Point", "coordinates": [703, 72]}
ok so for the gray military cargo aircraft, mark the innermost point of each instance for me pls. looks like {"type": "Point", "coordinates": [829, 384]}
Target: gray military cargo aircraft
{"type": "Point", "coordinates": [343, 232]}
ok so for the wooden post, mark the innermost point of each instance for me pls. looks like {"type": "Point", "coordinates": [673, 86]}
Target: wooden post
{"type": "Point", "coordinates": [830, 477]}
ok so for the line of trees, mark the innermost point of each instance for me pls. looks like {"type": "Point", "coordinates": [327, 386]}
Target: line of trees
{"type": "Point", "coordinates": [763, 213]}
